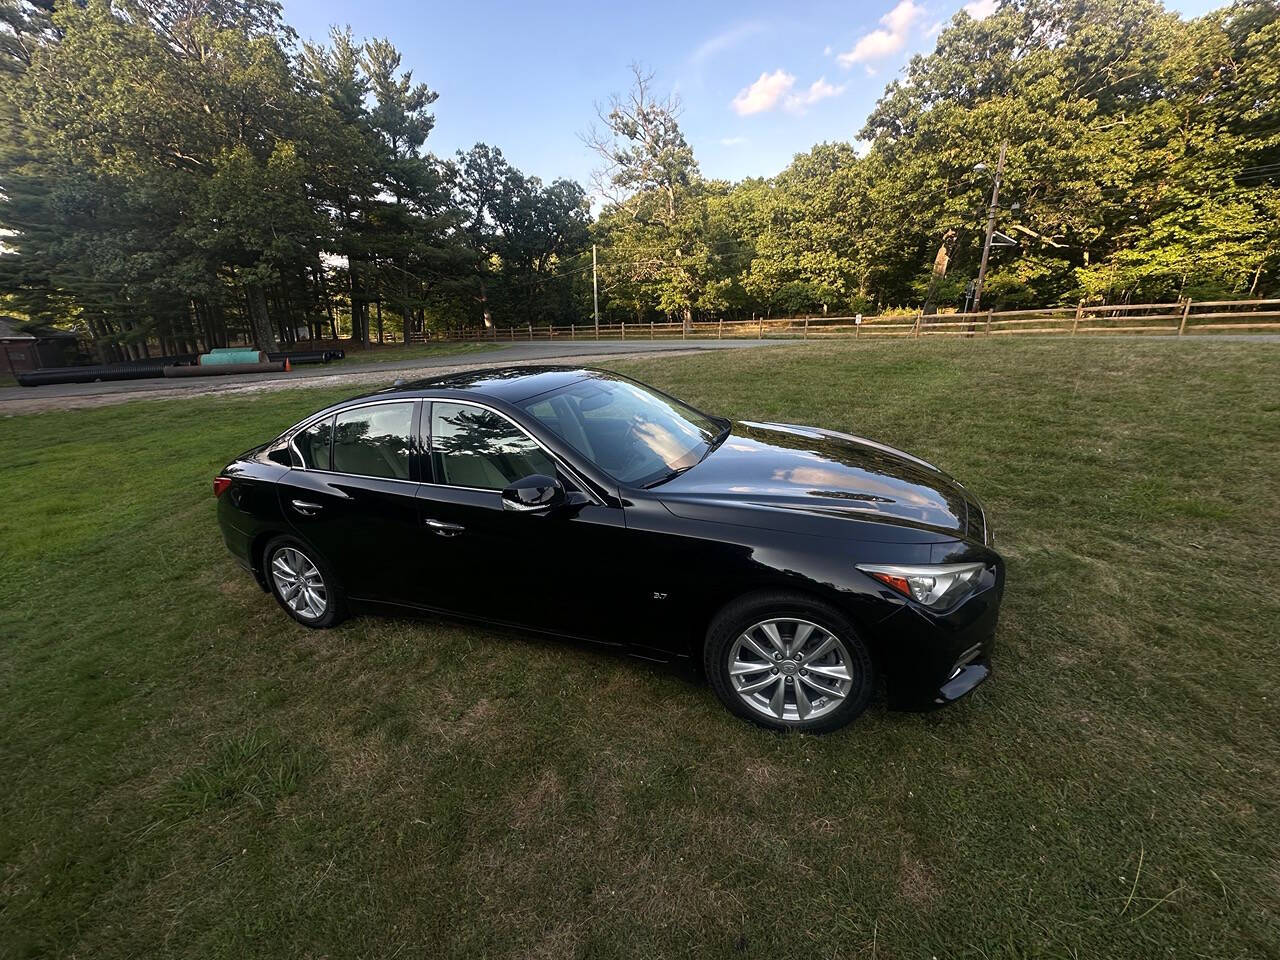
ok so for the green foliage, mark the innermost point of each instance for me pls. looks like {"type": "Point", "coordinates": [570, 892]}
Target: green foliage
{"type": "Point", "coordinates": [1142, 162]}
{"type": "Point", "coordinates": [181, 176]}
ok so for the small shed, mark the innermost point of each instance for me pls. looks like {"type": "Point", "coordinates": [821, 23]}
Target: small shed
{"type": "Point", "coordinates": [30, 347]}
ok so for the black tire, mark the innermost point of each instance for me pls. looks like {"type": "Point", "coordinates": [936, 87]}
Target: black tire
{"type": "Point", "coordinates": [741, 614]}
{"type": "Point", "coordinates": [335, 610]}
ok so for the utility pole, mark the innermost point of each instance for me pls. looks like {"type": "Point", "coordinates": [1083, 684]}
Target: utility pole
{"type": "Point", "coordinates": [595, 290]}
{"type": "Point", "coordinates": [991, 226]}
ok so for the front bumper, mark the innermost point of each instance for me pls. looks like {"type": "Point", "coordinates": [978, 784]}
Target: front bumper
{"type": "Point", "coordinates": [930, 660]}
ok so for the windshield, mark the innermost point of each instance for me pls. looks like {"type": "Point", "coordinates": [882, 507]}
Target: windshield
{"type": "Point", "coordinates": [635, 435]}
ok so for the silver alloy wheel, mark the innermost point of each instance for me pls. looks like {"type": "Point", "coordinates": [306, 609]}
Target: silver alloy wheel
{"type": "Point", "coordinates": [790, 669]}
{"type": "Point", "coordinates": [299, 583]}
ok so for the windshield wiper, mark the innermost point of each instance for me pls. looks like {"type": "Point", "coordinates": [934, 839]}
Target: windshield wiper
{"type": "Point", "coordinates": [720, 438]}
{"type": "Point", "coordinates": [715, 442]}
{"type": "Point", "coordinates": [671, 475]}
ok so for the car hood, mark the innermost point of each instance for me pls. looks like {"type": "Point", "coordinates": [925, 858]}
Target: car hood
{"type": "Point", "coordinates": [780, 468]}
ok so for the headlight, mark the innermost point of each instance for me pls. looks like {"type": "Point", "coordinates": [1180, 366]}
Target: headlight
{"type": "Point", "coordinates": [936, 585]}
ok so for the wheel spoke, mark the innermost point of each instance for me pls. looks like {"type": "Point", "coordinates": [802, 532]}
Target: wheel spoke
{"type": "Point", "coordinates": [754, 685]}
{"type": "Point", "coordinates": [802, 702]}
{"type": "Point", "coordinates": [821, 690]}
{"type": "Point", "coordinates": [778, 702]}
{"type": "Point", "coordinates": [819, 651]}
{"type": "Point", "coordinates": [756, 648]}
{"type": "Point", "coordinates": [278, 566]}
{"type": "Point", "coordinates": [837, 671]}
{"type": "Point", "coordinates": [770, 630]}
{"type": "Point", "coordinates": [741, 667]}
{"type": "Point", "coordinates": [800, 639]}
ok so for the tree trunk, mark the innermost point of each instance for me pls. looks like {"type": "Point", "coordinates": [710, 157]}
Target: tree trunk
{"type": "Point", "coordinates": [940, 264]}
{"type": "Point", "coordinates": [264, 337]}
{"type": "Point", "coordinates": [484, 307]}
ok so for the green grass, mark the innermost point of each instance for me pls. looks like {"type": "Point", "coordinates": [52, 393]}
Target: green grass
{"type": "Point", "coordinates": [412, 351]}
{"type": "Point", "coordinates": [188, 773]}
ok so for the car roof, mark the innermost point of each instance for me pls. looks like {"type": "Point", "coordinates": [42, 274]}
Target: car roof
{"type": "Point", "coordinates": [511, 384]}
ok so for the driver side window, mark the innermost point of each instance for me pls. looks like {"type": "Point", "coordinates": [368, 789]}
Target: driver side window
{"type": "Point", "coordinates": [475, 447]}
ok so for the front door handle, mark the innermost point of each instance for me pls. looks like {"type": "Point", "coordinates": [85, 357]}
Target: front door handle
{"type": "Point", "coordinates": [307, 509]}
{"type": "Point", "coordinates": [445, 529]}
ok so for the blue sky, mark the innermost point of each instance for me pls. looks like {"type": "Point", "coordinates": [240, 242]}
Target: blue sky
{"type": "Point", "coordinates": [760, 81]}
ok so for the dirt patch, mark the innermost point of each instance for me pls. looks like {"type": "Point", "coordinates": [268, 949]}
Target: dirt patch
{"type": "Point", "coordinates": [541, 802]}
{"type": "Point", "coordinates": [916, 882]}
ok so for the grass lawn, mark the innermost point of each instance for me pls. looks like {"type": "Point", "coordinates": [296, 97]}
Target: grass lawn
{"type": "Point", "coordinates": [412, 351]}
{"type": "Point", "coordinates": [187, 772]}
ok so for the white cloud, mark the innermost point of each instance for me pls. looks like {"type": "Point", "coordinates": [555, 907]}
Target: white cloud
{"type": "Point", "coordinates": [818, 90]}
{"type": "Point", "coordinates": [826, 51]}
{"type": "Point", "coordinates": [901, 17]}
{"type": "Point", "coordinates": [726, 40]}
{"type": "Point", "coordinates": [980, 9]}
{"type": "Point", "coordinates": [887, 39]}
{"type": "Point", "coordinates": [764, 94]}
{"type": "Point", "coordinates": [732, 141]}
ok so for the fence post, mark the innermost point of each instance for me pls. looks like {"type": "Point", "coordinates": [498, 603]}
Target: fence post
{"type": "Point", "coordinates": [573, 331]}
{"type": "Point", "coordinates": [806, 328]}
{"type": "Point", "coordinates": [720, 332]}
{"type": "Point", "coordinates": [989, 313]}
{"type": "Point", "coordinates": [531, 331]}
{"type": "Point", "coordinates": [1186, 308]}
{"type": "Point", "coordinates": [650, 329]}
{"type": "Point", "coordinates": [762, 328]}
{"type": "Point", "coordinates": [919, 316]}
{"type": "Point", "coordinates": [624, 329]}
{"type": "Point", "coordinates": [1079, 313]}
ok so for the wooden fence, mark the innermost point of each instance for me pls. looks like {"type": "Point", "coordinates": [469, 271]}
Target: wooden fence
{"type": "Point", "coordinates": [1183, 318]}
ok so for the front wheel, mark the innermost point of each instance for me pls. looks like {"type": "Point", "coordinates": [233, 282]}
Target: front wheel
{"type": "Point", "coordinates": [303, 584]}
{"type": "Point", "coordinates": [788, 663]}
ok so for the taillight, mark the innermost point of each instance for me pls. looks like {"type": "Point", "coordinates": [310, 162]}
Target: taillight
{"type": "Point", "coordinates": [220, 485]}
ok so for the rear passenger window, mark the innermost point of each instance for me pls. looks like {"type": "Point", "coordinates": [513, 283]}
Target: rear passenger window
{"type": "Point", "coordinates": [310, 447]}
{"type": "Point", "coordinates": [374, 441]}
{"type": "Point", "coordinates": [475, 447]}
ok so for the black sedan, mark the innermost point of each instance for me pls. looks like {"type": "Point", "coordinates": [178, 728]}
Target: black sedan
{"type": "Point", "coordinates": [795, 565]}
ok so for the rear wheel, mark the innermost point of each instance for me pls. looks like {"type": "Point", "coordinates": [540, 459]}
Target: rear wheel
{"type": "Point", "coordinates": [788, 663]}
{"type": "Point", "coordinates": [303, 584]}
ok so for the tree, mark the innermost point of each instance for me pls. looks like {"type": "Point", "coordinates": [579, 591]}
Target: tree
{"type": "Point", "coordinates": [521, 232]}
{"type": "Point", "coordinates": [657, 196]}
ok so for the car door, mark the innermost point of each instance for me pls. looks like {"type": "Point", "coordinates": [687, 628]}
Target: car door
{"type": "Point", "coordinates": [538, 569]}
{"type": "Point", "coordinates": [352, 495]}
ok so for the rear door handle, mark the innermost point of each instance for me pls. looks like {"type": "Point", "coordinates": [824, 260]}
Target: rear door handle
{"type": "Point", "coordinates": [445, 529]}
{"type": "Point", "coordinates": [307, 509]}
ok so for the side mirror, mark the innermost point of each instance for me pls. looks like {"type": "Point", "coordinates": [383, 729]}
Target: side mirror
{"type": "Point", "coordinates": [538, 492]}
